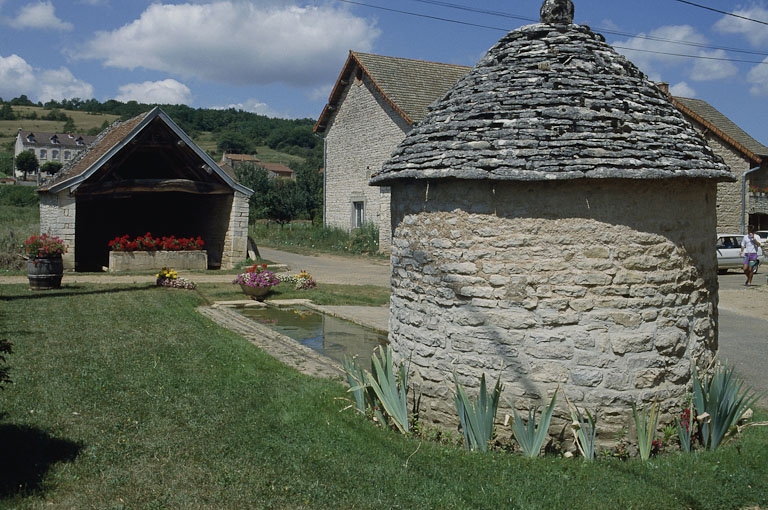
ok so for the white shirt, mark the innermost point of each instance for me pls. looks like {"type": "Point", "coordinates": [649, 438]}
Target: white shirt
{"type": "Point", "coordinates": [749, 245]}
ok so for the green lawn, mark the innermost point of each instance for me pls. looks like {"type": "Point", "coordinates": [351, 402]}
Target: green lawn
{"type": "Point", "coordinates": [125, 397]}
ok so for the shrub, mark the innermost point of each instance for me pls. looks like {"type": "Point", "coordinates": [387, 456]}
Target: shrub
{"type": "Point", "coordinates": [477, 417]}
{"type": "Point", "coordinates": [719, 403]}
{"type": "Point", "coordinates": [529, 435]}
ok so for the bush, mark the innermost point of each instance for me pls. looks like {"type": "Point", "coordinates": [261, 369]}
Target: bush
{"type": "Point", "coordinates": [18, 196]}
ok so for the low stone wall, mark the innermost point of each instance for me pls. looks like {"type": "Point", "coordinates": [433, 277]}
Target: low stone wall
{"type": "Point", "coordinates": [151, 260]}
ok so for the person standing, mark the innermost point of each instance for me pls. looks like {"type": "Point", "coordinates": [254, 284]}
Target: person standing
{"type": "Point", "coordinates": [749, 249]}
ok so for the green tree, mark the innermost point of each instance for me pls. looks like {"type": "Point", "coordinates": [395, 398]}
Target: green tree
{"type": "Point", "coordinates": [6, 163]}
{"type": "Point", "coordinates": [283, 204]}
{"type": "Point", "coordinates": [309, 183]}
{"type": "Point", "coordinates": [50, 167]}
{"type": "Point", "coordinates": [6, 112]}
{"type": "Point", "coordinates": [258, 180]}
{"type": "Point", "coordinates": [234, 142]}
{"type": "Point", "coordinates": [27, 163]}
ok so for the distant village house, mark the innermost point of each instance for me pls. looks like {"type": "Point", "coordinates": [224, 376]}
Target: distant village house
{"type": "Point", "coordinates": [231, 162]}
{"type": "Point", "coordinates": [58, 147]}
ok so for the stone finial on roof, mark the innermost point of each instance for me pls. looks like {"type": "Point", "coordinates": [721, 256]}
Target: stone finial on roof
{"type": "Point", "coordinates": [557, 12]}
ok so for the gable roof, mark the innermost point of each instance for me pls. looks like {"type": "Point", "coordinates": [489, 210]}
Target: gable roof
{"type": "Point", "coordinates": [409, 86]}
{"type": "Point", "coordinates": [723, 127]}
{"type": "Point", "coordinates": [118, 136]}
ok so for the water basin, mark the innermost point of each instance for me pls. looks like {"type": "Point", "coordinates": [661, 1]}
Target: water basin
{"type": "Point", "coordinates": [330, 336]}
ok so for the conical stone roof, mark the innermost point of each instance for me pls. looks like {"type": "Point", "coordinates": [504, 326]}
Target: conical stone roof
{"type": "Point", "coordinates": [550, 102]}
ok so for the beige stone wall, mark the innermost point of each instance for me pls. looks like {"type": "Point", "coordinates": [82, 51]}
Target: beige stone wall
{"type": "Point", "coordinates": [606, 290]}
{"type": "Point", "coordinates": [57, 217]}
{"type": "Point", "coordinates": [236, 239]}
{"type": "Point", "coordinates": [360, 137]}
{"type": "Point", "coordinates": [729, 194]}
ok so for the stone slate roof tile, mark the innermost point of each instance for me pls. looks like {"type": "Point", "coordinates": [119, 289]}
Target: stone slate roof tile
{"type": "Point", "coordinates": [722, 126]}
{"type": "Point", "coordinates": [104, 141]}
{"type": "Point", "coordinates": [553, 102]}
{"type": "Point", "coordinates": [409, 86]}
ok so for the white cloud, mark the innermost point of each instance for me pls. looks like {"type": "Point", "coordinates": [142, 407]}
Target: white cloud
{"type": "Point", "coordinates": [646, 52]}
{"type": "Point", "coordinates": [682, 89]}
{"type": "Point", "coordinates": [659, 49]}
{"type": "Point", "coordinates": [41, 15]}
{"type": "Point", "coordinates": [709, 69]}
{"type": "Point", "coordinates": [758, 77]}
{"type": "Point", "coordinates": [61, 84]}
{"type": "Point", "coordinates": [253, 106]}
{"type": "Point", "coordinates": [17, 77]}
{"type": "Point", "coordinates": [160, 92]}
{"type": "Point", "coordinates": [236, 43]}
{"type": "Point", "coordinates": [755, 33]}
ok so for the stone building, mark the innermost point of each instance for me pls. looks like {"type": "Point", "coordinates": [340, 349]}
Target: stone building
{"type": "Point", "coordinates": [375, 102]}
{"type": "Point", "coordinates": [553, 218]}
{"type": "Point", "coordinates": [345, 156]}
{"type": "Point", "coordinates": [745, 201]}
{"type": "Point", "coordinates": [58, 147]}
{"type": "Point", "coordinates": [144, 175]}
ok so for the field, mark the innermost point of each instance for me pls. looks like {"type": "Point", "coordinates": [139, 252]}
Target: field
{"type": "Point", "coordinates": [83, 122]}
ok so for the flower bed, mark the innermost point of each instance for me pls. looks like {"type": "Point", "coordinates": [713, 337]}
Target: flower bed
{"type": "Point", "coordinates": [152, 253]}
{"type": "Point", "coordinates": [147, 242]}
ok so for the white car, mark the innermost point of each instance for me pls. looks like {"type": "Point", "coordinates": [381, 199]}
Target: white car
{"type": "Point", "coordinates": [728, 248]}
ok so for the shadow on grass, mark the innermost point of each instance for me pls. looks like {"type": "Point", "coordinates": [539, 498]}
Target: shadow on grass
{"type": "Point", "coordinates": [27, 453]}
{"type": "Point", "coordinates": [75, 290]}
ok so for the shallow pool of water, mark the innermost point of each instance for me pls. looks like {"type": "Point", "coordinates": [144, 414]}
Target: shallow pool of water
{"type": "Point", "coordinates": [330, 336]}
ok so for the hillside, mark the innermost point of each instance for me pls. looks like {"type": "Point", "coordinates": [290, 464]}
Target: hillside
{"type": "Point", "coordinates": [84, 122]}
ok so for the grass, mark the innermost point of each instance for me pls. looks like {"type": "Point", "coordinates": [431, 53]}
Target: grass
{"type": "Point", "coordinates": [19, 218]}
{"type": "Point", "coordinates": [324, 294]}
{"type": "Point", "coordinates": [125, 397]}
{"type": "Point", "coordinates": [303, 237]}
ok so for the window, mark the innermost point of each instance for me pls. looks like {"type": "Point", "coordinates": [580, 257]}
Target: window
{"type": "Point", "coordinates": [43, 154]}
{"type": "Point", "coordinates": [359, 214]}
{"type": "Point", "coordinates": [55, 155]}
{"type": "Point", "coordinates": [67, 155]}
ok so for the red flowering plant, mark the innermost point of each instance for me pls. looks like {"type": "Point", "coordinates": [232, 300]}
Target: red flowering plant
{"type": "Point", "coordinates": [147, 242]}
{"type": "Point", "coordinates": [44, 246]}
{"type": "Point", "coordinates": [257, 275]}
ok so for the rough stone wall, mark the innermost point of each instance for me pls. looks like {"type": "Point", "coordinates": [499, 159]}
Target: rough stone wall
{"type": "Point", "coordinates": [361, 136]}
{"type": "Point", "coordinates": [57, 217]}
{"type": "Point", "coordinates": [236, 238]}
{"type": "Point", "coordinates": [606, 290]}
{"type": "Point", "coordinates": [729, 218]}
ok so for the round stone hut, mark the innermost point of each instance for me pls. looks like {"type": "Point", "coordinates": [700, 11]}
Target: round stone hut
{"type": "Point", "coordinates": [553, 217]}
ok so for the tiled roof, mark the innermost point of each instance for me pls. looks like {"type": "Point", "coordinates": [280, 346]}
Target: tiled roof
{"type": "Point", "coordinates": [409, 86]}
{"type": "Point", "coordinates": [552, 102]}
{"type": "Point", "coordinates": [103, 143]}
{"type": "Point", "coordinates": [66, 140]}
{"type": "Point", "coordinates": [722, 126]}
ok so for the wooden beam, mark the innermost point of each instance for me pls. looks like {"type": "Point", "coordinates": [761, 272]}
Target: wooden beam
{"type": "Point", "coordinates": [153, 186]}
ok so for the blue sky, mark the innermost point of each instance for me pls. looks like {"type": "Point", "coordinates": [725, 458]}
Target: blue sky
{"type": "Point", "coordinates": [281, 57]}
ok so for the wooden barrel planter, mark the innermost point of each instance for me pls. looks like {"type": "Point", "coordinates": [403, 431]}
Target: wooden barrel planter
{"type": "Point", "coordinates": [45, 273]}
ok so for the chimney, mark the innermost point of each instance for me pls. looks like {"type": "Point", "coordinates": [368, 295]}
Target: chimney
{"type": "Point", "coordinates": [664, 87]}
